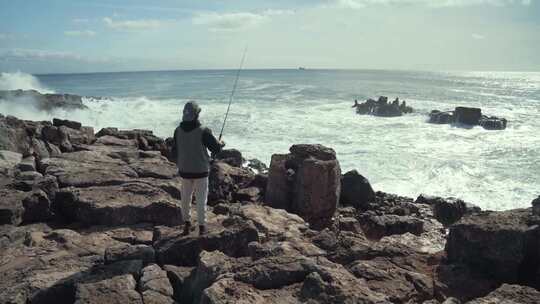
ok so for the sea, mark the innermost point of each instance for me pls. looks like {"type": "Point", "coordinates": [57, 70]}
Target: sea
{"type": "Point", "coordinates": [274, 109]}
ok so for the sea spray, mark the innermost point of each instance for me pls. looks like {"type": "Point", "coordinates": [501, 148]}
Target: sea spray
{"type": "Point", "coordinates": [22, 81]}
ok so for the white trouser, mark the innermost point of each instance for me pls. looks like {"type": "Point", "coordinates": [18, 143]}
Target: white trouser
{"type": "Point", "coordinates": [200, 187]}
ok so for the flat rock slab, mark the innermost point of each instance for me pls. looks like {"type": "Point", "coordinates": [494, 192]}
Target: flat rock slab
{"type": "Point", "coordinates": [117, 290]}
{"type": "Point", "coordinates": [76, 173]}
{"type": "Point", "coordinates": [126, 204]}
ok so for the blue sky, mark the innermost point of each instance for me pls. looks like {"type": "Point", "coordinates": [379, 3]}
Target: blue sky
{"type": "Point", "coordinates": [122, 35]}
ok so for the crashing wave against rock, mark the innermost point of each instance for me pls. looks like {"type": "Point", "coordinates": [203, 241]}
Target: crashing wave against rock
{"type": "Point", "coordinates": [469, 117]}
{"type": "Point", "coordinates": [94, 218]}
{"type": "Point", "coordinates": [382, 107]}
{"type": "Point", "coordinates": [45, 102]}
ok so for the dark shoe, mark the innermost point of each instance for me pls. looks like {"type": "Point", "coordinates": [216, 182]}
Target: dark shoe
{"type": "Point", "coordinates": [187, 228]}
{"type": "Point", "coordinates": [202, 230]}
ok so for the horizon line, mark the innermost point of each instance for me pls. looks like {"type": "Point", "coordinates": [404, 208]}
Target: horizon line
{"type": "Point", "coordinates": [301, 69]}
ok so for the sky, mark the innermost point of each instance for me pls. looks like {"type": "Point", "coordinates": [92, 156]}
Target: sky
{"type": "Point", "coordinates": [72, 36]}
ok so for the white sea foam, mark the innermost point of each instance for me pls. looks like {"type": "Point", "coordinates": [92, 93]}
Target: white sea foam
{"type": "Point", "coordinates": [21, 81]}
{"type": "Point", "coordinates": [404, 155]}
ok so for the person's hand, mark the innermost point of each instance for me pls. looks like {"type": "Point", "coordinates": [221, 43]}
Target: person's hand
{"type": "Point", "coordinates": [222, 143]}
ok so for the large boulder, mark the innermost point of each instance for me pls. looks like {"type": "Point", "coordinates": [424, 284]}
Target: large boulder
{"type": "Point", "coordinates": [502, 245]}
{"type": "Point", "coordinates": [536, 206]}
{"type": "Point", "coordinates": [355, 190]}
{"type": "Point", "coordinates": [449, 210]}
{"type": "Point", "coordinates": [382, 107]}
{"type": "Point", "coordinates": [467, 116]}
{"type": "Point", "coordinates": [305, 182]}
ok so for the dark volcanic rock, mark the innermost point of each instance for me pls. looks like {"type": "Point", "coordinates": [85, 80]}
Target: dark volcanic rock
{"type": "Point", "coordinates": [129, 252]}
{"type": "Point", "coordinates": [232, 157]}
{"type": "Point", "coordinates": [536, 206]}
{"type": "Point", "coordinates": [467, 116]}
{"type": "Point", "coordinates": [449, 210]}
{"type": "Point", "coordinates": [382, 107]}
{"type": "Point", "coordinates": [305, 182]}
{"type": "Point", "coordinates": [128, 203]}
{"type": "Point", "coordinates": [120, 289]}
{"type": "Point", "coordinates": [378, 226]}
{"type": "Point", "coordinates": [501, 245]}
{"type": "Point", "coordinates": [510, 294]}
{"type": "Point", "coordinates": [180, 250]}
{"type": "Point", "coordinates": [68, 123]}
{"type": "Point", "coordinates": [355, 190]}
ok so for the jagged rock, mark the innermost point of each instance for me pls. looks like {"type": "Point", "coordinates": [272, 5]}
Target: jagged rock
{"type": "Point", "coordinates": [376, 227]}
{"type": "Point", "coordinates": [251, 194]}
{"type": "Point", "coordinates": [37, 207]}
{"type": "Point", "coordinates": [381, 107]}
{"type": "Point", "coordinates": [400, 284]}
{"type": "Point", "coordinates": [177, 277]}
{"type": "Point", "coordinates": [459, 281]}
{"type": "Point", "coordinates": [8, 160]}
{"type": "Point", "coordinates": [130, 252]}
{"type": "Point", "coordinates": [11, 207]}
{"type": "Point", "coordinates": [13, 136]}
{"type": "Point", "coordinates": [349, 224]}
{"type": "Point", "coordinates": [180, 250]}
{"type": "Point", "coordinates": [438, 117]}
{"type": "Point", "coordinates": [449, 210]}
{"type": "Point", "coordinates": [27, 164]}
{"type": "Point", "coordinates": [355, 190]}
{"type": "Point", "coordinates": [129, 203]}
{"type": "Point", "coordinates": [468, 116]}
{"type": "Point", "coordinates": [257, 166]}
{"type": "Point", "coordinates": [510, 294]}
{"type": "Point", "coordinates": [115, 141]}
{"type": "Point", "coordinates": [68, 123]}
{"type": "Point", "coordinates": [492, 123]}
{"type": "Point", "coordinates": [225, 180]}
{"type": "Point", "coordinates": [120, 290]}
{"type": "Point", "coordinates": [232, 157]}
{"type": "Point", "coordinates": [536, 206]}
{"type": "Point", "coordinates": [305, 182]}
{"type": "Point", "coordinates": [231, 291]}
{"type": "Point", "coordinates": [155, 286]}
{"type": "Point", "coordinates": [501, 245]}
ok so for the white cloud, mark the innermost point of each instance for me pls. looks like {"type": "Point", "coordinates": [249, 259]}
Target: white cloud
{"type": "Point", "coordinates": [229, 21]}
{"type": "Point", "coordinates": [134, 25]}
{"type": "Point", "coordinates": [237, 21]}
{"type": "Point", "coordinates": [86, 33]}
{"type": "Point", "coordinates": [33, 54]}
{"type": "Point", "coordinates": [358, 4]}
{"type": "Point", "coordinates": [478, 36]}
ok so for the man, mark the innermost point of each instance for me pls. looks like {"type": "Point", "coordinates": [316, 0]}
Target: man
{"type": "Point", "coordinates": [191, 144]}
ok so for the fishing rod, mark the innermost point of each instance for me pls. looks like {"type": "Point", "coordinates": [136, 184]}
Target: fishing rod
{"type": "Point", "coordinates": [232, 92]}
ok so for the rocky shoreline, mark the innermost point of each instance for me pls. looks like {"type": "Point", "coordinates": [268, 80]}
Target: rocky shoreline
{"type": "Point", "coordinates": [95, 218]}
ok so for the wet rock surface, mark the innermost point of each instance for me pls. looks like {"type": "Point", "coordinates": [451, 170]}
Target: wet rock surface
{"type": "Point", "coordinates": [463, 116]}
{"type": "Point", "coordinates": [382, 107]}
{"type": "Point", "coordinates": [96, 218]}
